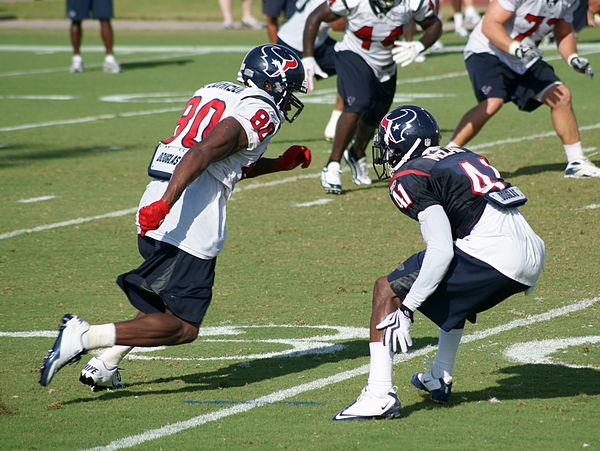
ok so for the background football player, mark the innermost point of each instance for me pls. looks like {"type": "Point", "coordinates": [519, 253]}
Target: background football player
{"type": "Point", "coordinates": [322, 65]}
{"type": "Point", "coordinates": [365, 60]}
{"type": "Point", "coordinates": [505, 65]}
{"type": "Point", "coordinates": [220, 139]}
{"type": "Point", "coordinates": [480, 250]}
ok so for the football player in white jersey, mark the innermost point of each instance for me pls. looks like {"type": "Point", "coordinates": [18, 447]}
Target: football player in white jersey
{"type": "Point", "coordinates": [505, 65]}
{"type": "Point", "coordinates": [219, 140]}
{"type": "Point", "coordinates": [366, 60]}
{"type": "Point", "coordinates": [322, 64]}
{"type": "Point", "coordinates": [479, 251]}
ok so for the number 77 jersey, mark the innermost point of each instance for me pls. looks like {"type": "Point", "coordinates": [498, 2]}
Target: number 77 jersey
{"type": "Point", "coordinates": [459, 180]}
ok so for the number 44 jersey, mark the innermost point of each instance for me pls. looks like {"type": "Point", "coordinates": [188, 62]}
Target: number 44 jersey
{"type": "Point", "coordinates": [480, 205]}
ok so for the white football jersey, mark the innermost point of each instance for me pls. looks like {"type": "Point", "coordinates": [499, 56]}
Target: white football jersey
{"type": "Point", "coordinates": [196, 222]}
{"type": "Point", "coordinates": [372, 35]}
{"type": "Point", "coordinates": [292, 30]}
{"type": "Point", "coordinates": [532, 20]}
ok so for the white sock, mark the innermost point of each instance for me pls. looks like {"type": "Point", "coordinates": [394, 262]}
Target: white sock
{"type": "Point", "coordinates": [113, 356]}
{"type": "Point", "coordinates": [101, 336]}
{"type": "Point", "coordinates": [380, 368]}
{"type": "Point", "coordinates": [446, 354]}
{"type": "Point", "coordinates": [110, 58]}
{"type": "Point", "coordinates": [574, 151]}
{"type": "Point", "coordinates": [458, 20]}
{"type": "Point", "coordinates": [471, 11]}
{"type": "Point", "coordinates": [77, 59]}
{"type": "Point", "coordinates": [332, 123]}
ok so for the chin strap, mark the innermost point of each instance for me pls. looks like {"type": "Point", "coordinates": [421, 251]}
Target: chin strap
{"type": "Point", "coordinates": [407, 155]}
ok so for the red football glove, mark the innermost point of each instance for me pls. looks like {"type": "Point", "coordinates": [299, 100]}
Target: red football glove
{"type": "Point", "coordinates": [152, 215]}
{"type": "Point", "coordinates": [293, 157]}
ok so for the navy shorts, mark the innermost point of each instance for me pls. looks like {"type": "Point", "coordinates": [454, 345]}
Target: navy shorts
{"type": "Point", "coordinates": [274, 8]}
{"type": "Point", "coordinates": [470, 286]}
{"type": "Point", "coordinates": [84, 9]}
{"type": "Point", "coordinates": [324, 55]}
{"type": "Point", "coordinates": [361, 91]}
{"type": "Point", "coordinates": [490, 77]}
{"type": "Point", "coordinates": [169, 278]}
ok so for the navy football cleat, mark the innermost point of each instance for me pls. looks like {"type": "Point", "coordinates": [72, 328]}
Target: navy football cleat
{"type": "Point", "coordinates": [439, 389]}
{"type": "Point", "coordinates": [68, 347]}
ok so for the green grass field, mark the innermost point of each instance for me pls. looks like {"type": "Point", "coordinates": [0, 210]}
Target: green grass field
{"type": "Point", "coordinates": [284, 344]}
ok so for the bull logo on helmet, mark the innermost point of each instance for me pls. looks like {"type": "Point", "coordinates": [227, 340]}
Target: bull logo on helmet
{"type": "Point", "coordinates": [277, 65]}
{"type": "Point", "coordinates": [394, 131]}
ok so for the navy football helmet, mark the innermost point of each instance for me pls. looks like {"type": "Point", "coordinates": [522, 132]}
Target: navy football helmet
{"type": "Point", "coordinates": [282, 69]}
{"type": "Point", "coordinates": [404, 133]}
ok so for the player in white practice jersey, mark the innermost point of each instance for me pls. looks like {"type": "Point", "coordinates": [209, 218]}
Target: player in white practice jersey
{"type": "Point", "coordinates": [366, 60]}
{"type": "Point", "coordinates": [505, 65]}
{"type": "Point", "coordinates": [323, 62]}
{"type": "Point", "coordinates": [219, 140]}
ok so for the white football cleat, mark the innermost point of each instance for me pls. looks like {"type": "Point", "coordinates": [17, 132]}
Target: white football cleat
{"type": "Point", "coordinates": [330, 178]}
{"type": "Point", "coordinates": [461, 31]}
{"type": "Point", "coordinates": [580, 169]}
{"type": "Point", "coordinates": [100, 376]}
{"type": "Point", "coordinates": [358, 166]}
{"type": "Point", "coordinates": [111, 66]}
{"type": "Point", "coordinates": [369, 407]}
{"type": "Point", "coordinates": [76, 64]}
{"type": "Point", "coordinates": [67, 349]}
{"type": "Point", "coordinates": [253, 23]}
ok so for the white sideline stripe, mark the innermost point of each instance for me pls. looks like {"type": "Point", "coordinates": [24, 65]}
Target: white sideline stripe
{"type": "Point", "coordinates": [315, 202]}
{"type": "Point", "coordinates": [590, 207]}
{"type": "Point", "coordinates": [89, 119]}
{"type": "Point", "coordinates": [36, 199]}
{"type": "Point", "coordinates": [113, 214]}
{"type": "Point", "coordinates": [527, 138]}
{"type": "Point", "coordinates": [173, 428]}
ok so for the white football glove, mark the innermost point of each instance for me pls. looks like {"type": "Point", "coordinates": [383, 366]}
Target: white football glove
{"type": "Point", "coordinates": [311, 68]}
{"type": "Point", "coordinates": [397, 329]}
{"type": "Point", "coordinates": [581, 65]}
{"type": "Point", "coordinates": [405, 53]}
{"type": "Point", "coordinates": [525, 52]}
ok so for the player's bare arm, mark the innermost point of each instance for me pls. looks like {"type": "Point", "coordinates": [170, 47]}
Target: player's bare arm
{"type": "Point", "coordinates": [493, 26]}
{"type": "Point", "coordinates": [432, 30]}
{"type": "Point", "coordinates": [564, 35]}
{"type": "Point", "coordinates": [311, 28]}
{"type": "Point", "coordinates": [226, 138]}
{"type": "Point", "coordinates": [293, 157]}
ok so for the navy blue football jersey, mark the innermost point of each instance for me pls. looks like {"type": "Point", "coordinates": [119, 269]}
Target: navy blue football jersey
{"type": "Point", "coordinates": [455, 178]}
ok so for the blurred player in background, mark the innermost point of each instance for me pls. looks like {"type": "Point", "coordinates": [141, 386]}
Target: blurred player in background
{"type": "Point", "coordinates": [479, 251]}
{"type": "Point", "coordinates": [323, 62]}
{"type": "Point", "coordinates": [505, 65]}
{"type": "Point", "coordinates": [96, 9]}
{"type": "Point", "coordinates": [365, 61]}
{"type": "Point", "coordinates": [273, 10]}
{"type": "Point", "coordinates": [219, 140]}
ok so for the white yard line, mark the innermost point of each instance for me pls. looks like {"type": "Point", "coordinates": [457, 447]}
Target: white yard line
{"type": "Point", "coordinates": [174, 428]}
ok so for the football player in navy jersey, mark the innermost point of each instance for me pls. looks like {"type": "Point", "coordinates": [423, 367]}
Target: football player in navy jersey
{"type": "Point", "coordinates": [365, 61]}
{"type": "Point", "coordinates": [505, 65]}
{"type": "Point", "coordinates": [479, 251]}
{"type": "Point", "coordinates": [219, 139]}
